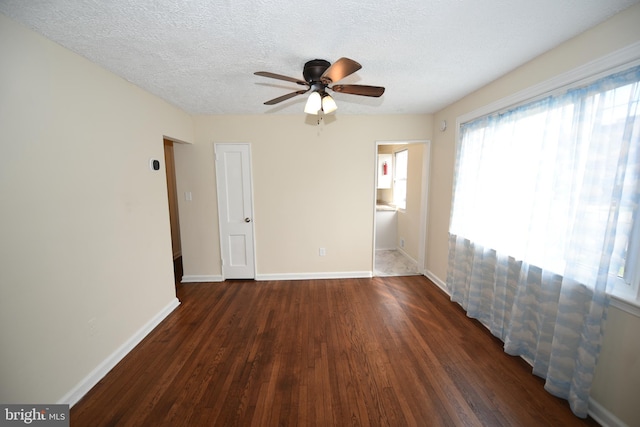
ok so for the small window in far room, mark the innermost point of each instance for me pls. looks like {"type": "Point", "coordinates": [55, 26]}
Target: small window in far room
{"type": "Point", "coordinates": [400, 179]}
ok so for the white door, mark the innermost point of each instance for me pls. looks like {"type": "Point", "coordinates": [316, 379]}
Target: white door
{"type": "Point", "coordinates": [235, 210]}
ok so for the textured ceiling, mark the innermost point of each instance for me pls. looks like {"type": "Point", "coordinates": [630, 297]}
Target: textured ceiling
{"type": "Point", "coordinates": [200, 55]}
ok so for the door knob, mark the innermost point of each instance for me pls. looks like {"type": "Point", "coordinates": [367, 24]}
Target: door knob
{"type": "Point", "coordinates": [247, 220]}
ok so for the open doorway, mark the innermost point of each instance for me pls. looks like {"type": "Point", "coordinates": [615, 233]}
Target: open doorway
{"type": "Point", "coordinates": [401, 181]}
{"type": "Point", "coordinates": [172, 193]}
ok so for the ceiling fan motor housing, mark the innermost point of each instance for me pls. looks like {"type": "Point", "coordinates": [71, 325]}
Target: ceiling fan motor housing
{"type": "Point", "coordinates": [314, 69]}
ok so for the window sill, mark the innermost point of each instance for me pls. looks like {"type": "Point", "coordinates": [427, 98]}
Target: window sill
{"type": "Point", "coordinates": [626, 305]}
{"type": "Point", "coordinates": [386, 207]}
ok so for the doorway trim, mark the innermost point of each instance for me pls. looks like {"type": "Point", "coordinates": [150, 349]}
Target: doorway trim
{"type": "Point", "coordinates": [178, 273]}
{"type": "Point", "coordinates": [424, 199]}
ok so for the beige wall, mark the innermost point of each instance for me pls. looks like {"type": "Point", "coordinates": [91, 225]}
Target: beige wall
{"type": "Point", "coordinates": [618, 377]}
{"type": "Point", "coordinates": [617, 381]}
{"type": "Point", "coordinates": [84, 238]}
{"type": "Point", "coordinates": [409, 220]}
{"type": "Point", "coordinates": [313, 187]}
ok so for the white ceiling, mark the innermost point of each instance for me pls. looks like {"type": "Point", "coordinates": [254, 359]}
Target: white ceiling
{"type": "Point", "coordinates": [200, 55]}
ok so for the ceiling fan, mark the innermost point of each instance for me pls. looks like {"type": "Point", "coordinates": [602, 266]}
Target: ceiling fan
{"type": "Point", "coordinates": [318, 75]}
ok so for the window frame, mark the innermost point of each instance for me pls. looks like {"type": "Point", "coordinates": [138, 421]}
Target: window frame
{"type": "Point", "coordinates": [626, 291]}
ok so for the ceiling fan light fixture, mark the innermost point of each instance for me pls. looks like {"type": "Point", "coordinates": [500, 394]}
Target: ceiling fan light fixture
{"type": "Point", "coordinates": [328, 104]}
{"type": "Point", "coordinates": [314, 103]}
{"type": "Point", "coordinates": [318, 75]}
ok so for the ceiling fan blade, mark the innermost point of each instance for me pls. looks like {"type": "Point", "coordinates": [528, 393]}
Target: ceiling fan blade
{"type": "Point", "coordinates": [284, 97]}
{"type": "Point", "coordinates": [339, 70]}
{"type": "Point", "coordinates": [374, 91]}
{"type": "Point", "coordinates": [280, 77]}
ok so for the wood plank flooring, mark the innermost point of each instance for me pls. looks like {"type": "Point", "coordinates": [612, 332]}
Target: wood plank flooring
{"type": "Point", "coordinates": [390, 351]}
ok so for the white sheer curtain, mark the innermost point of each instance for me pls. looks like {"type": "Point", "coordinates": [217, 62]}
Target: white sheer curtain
{"type": "Point", "coordinates": [544, 202]}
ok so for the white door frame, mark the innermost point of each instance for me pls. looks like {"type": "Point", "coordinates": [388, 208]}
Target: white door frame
{"type": "Point", "coordinates": [424, 199]}
{"type": "Point", "coordinates": [224, 254]}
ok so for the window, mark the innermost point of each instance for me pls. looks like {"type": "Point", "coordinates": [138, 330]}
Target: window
{"type": "Point", "coordinates": [401, 159]}
{"type": "Point", "coordinates": [556, 183]}
{"type": "Point", "coordinates": [628, 284]}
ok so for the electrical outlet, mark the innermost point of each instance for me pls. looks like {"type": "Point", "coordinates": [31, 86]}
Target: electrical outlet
{"type": "Point", "coordinates": [93, 329]}
{"type": "Point", "coordinates": [322, 252]}
{"type": "Point", "coordinates": [402, 243]}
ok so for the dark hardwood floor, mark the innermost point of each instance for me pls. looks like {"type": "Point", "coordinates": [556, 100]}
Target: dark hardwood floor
{"type": "Point", "coordinates": [390, 351]}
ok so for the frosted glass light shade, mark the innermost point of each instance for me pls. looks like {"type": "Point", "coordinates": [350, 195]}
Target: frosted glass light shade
{"type": "Point", "coordinates": [314, 103]}
{"type": "Point", "coordinates": [328, 104]}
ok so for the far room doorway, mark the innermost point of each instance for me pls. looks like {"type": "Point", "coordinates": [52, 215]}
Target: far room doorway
{"type": "Point", "coordinates": [400, 213]}
{"type": "Point", "coordinates": [174, 221]}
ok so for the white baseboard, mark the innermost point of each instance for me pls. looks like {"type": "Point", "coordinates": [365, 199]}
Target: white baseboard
{"type": "Point", "coordinates": [409, 257]}
{"type": "Point", "coordinates": [438, 282]}
{"type": "Point", "coordinates": [201, 279]}
{"type": "Point", "coordinates": [603, 416]}
{"type": "Point", "coordinates": [312, 276]}
{"type": "Point", "coordinates": [83, 387]}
